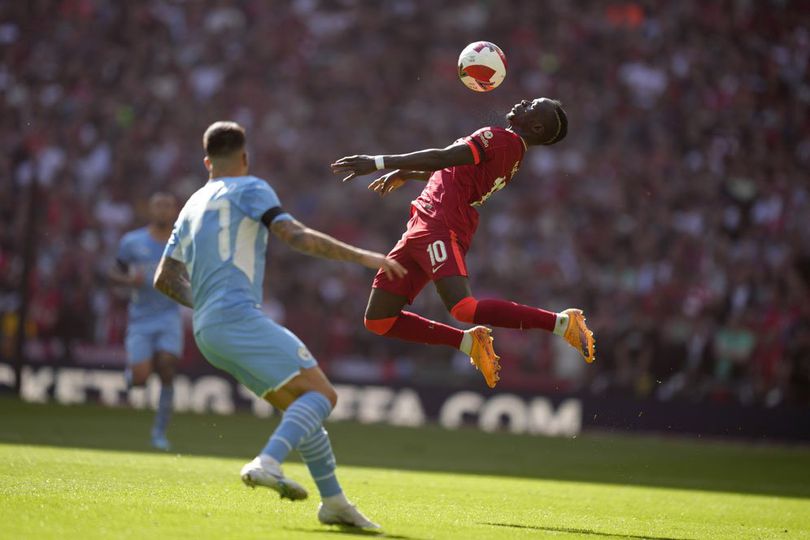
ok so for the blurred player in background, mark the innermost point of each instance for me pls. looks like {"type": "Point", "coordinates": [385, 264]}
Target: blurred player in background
{"type": "Point", "coordinates": [214, 261]}
{"type": "Point", "coordinates": [443, 221]}
{"type": "Point", "coordinates": [154, 339]}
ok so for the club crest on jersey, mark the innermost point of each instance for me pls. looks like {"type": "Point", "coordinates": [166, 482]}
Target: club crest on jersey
{"type": "Point", "coordinates": [485, 137]}
{"type": "Point", "coordinates": [303, 353]}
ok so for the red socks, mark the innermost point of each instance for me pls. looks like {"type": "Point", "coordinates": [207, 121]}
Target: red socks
{"type": "Point", "coordinates": [411, 327]}
{"type": "Point", "coordinates": [512, 315]}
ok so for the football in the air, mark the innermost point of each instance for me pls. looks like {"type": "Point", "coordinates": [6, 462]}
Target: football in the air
{"type": "Point", "coordinates": [482, 66]}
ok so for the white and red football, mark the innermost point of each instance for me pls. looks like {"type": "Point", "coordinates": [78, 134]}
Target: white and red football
{"type": "Point", "coordinates": [482, 66]}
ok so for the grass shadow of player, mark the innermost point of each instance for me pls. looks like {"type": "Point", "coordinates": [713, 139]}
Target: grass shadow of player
{"type": "Point", "coordinates": [352, 531]}
{"type": "Point", "coordinates": [585, 532]}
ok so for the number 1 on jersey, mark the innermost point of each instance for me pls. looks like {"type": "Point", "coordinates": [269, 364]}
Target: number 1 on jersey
{"type": "Point", "coordinates": [223, 209]}
{"type": "Point", "coordinates": [437, 252]}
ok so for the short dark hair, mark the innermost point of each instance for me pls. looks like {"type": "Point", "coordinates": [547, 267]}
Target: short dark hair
{"type": "Point", "coordinates": [223, 138]}
{"type": "Point", "coordinates": [562, 118]}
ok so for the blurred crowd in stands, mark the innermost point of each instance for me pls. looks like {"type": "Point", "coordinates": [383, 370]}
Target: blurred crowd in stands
{"type": "Point", "coordinates": [676, 212]}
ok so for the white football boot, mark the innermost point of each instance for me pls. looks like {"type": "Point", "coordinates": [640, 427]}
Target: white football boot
{"type": "Point", "coordinates": [345, 514]}
{"type": "Point", "coordinates": [267, 472]}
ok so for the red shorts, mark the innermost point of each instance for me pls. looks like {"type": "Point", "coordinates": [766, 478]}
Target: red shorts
{"type": "Point", "coordinates": [429, 252]}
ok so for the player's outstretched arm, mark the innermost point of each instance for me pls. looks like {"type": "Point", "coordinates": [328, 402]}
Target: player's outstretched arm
{"type": "Point", "coordinates": [433, 159]}
{"type": "Point", "coordinates": [301, 238]}
{"type": "Point", "coordinates": [171, 278]}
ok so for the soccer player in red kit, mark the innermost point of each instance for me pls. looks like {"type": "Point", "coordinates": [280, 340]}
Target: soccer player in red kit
{"type": "Point", "coordinates": [443, 221]}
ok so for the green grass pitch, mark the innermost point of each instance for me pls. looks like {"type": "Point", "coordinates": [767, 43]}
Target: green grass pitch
{"type": "Point", "coordinates": [86, 472]}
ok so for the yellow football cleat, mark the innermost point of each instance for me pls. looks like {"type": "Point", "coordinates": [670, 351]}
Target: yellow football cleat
{"type": "Point", "coordinates": [483, 356]}
{"type": "Point", "coordinates": [578, 336]}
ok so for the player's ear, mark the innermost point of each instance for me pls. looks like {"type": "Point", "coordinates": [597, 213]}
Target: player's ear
{"type": "Point", "coordinates": [538, 129]}
{"type": "Point", "coordinates": [207, 163]}
{"type": "Point", "coordinates": [244, 158]}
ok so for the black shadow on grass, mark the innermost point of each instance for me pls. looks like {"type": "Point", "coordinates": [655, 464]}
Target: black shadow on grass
{"type": "Point", "coordinates": [572, 530]}
{"type": "Point", "coordinates": [352, 531]}
{"type": "Point", "coordinates": [615, 459]}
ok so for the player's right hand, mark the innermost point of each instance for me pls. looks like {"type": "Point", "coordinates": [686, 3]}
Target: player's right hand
{"type": "Point", "coordinates": [388, 183]}
{"type": "Point", "coordinates": [355, 165]}
{"type": "Point", "coordinates": [379, 261]}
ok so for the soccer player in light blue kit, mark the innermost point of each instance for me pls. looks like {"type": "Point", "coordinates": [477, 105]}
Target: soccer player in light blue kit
{"type": "Point", "coordinates": [154, 339]}
{"type": "Point", "coordinates": [214, 262]}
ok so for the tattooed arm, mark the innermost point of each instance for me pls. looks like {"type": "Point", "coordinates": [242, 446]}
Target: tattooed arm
{"type": "Point", "coordinates": [301, 238]}
{"type": "Point", "coordinates": [171, 279]}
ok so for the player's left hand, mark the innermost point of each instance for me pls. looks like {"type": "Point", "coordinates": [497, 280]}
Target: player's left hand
{"type": "Point", "coordinates": [356, 165]}
{"type": "Point", "coordinates": [388, 183]}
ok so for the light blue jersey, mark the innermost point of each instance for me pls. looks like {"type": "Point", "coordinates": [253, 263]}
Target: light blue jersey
{"type": "Point", "coordinates": [221, 239]}
{"type": "Point", "coordinates": [154, 322]}
{"type": "Point", "coordinates": [139, 250]}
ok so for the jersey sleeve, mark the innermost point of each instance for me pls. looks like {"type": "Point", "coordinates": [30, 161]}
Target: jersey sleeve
{"type": "Point", "coordinates": [484, 142]}
{"type": "Point", "coordinates": [259, 198]}
{"type": "Point", "coordinates": [174, 247]}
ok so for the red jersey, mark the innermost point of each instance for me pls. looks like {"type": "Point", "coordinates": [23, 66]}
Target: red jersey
{"type": "Point", "coordinates": [452, 194]}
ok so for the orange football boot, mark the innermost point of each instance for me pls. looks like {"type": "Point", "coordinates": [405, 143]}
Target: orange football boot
{"type": "Point", "coordinates": [578, 336]}
{"type": "Point", "coordinates": [483, 356]}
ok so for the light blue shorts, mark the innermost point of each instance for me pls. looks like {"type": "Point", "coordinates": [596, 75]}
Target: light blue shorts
{"type": "Point", "coordinates": [161, 334]}
{"type": "Point", "coordinates": [261, 354]}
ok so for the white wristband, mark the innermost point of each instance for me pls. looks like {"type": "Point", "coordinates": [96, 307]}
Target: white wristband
{"type": "Point", "coordinates": [379, 162]}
